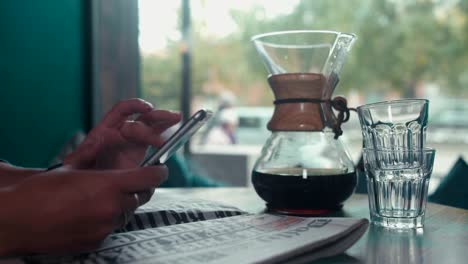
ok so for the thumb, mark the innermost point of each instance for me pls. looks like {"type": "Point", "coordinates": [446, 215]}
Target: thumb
{"type": "Point", "coordinates": [139, 179]}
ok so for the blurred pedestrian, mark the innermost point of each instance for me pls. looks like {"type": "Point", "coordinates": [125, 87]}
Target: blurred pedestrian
{"type": "Point", "coordinates": [224, 132]}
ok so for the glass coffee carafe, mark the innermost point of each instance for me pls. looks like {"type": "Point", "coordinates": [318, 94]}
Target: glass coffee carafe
{"type": "Point", "coordinates": [304, 168]}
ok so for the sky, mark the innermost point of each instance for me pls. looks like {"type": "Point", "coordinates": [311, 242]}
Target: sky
{"type": "Point", "coordinates": [159, 19]}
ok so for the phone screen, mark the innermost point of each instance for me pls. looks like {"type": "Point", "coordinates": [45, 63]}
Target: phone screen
{"type": "Point", "coordinates": [178, 139]}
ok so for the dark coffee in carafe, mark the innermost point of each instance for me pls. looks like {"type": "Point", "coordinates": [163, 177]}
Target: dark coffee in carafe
{"type": "Point", "coordinates": [294, 191]}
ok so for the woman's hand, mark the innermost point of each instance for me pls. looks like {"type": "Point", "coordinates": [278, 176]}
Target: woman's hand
{"type": "Point", "coordinates": [119, 143]}
{"type": "Point", "coordinates": [67, 210]}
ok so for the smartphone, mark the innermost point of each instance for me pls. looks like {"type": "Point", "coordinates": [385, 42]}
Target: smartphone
{"type": "Point", "coordinates": [178, 139]}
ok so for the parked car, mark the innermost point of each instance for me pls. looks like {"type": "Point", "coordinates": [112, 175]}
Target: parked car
{"type": "Point", "coordinates": [252, 129]}
{"type": "Point", "coordinates": [448, 122]}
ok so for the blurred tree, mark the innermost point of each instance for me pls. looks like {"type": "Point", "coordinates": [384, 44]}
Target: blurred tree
{"type": "Point", "coordinates": [161, 78]}
{"type": "Point", "coordinates": [400, 44]}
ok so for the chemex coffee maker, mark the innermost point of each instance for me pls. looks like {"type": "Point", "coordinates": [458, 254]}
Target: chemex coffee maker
{"type": "Point", "coordinates": [304, 169]}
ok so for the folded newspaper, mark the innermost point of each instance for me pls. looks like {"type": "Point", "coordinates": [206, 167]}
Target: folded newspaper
{"type": "Point", "coordinates": [172, 229]}
{"type": "Point", "coordinates": [169, 209]}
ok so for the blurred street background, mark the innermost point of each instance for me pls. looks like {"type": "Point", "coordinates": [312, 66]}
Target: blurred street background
{"type": "Point", "coordinates": [405, 49]}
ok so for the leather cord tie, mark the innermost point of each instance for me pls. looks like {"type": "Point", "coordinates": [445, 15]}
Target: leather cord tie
{"type": "Point", "coordinates": [338, 103]}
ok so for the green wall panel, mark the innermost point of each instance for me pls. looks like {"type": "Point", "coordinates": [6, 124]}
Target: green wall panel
{"type": "Point", "coordinates": [42, 78]}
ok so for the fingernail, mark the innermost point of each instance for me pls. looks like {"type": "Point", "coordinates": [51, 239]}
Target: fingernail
{"type": "Point", "coordinates": [148, 105]}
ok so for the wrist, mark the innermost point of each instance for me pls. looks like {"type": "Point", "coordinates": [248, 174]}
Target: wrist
{"type": "Point", "coordinates": [8, 234]}
{"type": "Point", "coordinates": [10, 174]}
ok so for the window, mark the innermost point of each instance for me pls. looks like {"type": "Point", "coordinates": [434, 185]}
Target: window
{"type": "Point", "coordinates": [405, 49]}
{"type": "Point", "coordinates": [159, 41]}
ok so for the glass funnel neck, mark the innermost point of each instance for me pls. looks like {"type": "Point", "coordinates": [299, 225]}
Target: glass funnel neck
{"type": "Point", "coordinates": [304, 51]}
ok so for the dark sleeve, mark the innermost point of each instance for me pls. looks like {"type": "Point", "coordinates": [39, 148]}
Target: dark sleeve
{"type": "Point", "coordinates": [54, 166]}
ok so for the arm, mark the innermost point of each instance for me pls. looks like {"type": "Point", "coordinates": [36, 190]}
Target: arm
{"type": "Point", "coordinates": [51, 212]}
{"type": "Point", "coordinates": [116, 143]}
{"type": "Point", "coordinates": [10, 174]}
{"type": "Point", "coordinates": [6, 244]}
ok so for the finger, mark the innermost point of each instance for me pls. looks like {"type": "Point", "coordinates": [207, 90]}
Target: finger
{"type": "Point", "coordinates": [138, 132]}
{"type": "Point", "coordinates": [145, 196]}
{"type": "Point", "coordinates": [160, 120]}
{"type": "Point", "coordinates": [122, 110]}
{"type": "Point", "coordinates": [130, 202]}
{"type": "Point", "coordinates": [139, 179]}
{"type": "Point", "coordinates": [158, 115]}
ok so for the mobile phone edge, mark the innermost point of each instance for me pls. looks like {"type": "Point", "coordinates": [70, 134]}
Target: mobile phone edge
{"type": "Point", "coordinates": [200, 117]}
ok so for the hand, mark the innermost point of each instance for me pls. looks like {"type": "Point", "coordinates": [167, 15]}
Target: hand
{"type": "Point", "coordinates": [67, 210]}
{"type": "Point", "coordinates": [119, 143]}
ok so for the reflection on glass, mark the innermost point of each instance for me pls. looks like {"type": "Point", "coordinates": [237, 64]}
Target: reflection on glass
{"type": "Point", "coordinates": [393, 246]}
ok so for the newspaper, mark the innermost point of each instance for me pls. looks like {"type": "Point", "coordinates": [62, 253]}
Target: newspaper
{"type": "Point", "coordinates": [247, 238]}
{"type": "Point", "coordinates": [167, 209]}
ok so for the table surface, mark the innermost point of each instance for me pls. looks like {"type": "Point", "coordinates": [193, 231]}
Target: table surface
{"type": "Point", "coordinates": [444, 238]}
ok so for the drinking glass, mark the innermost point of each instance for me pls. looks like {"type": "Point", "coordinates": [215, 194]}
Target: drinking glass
{"type": "Point", "coordinates": [397, 124]}
{"type": "Point", "coordinates": [397, 181]}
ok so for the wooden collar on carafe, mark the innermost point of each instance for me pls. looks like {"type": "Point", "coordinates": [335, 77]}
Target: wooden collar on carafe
{"type": "Point", "coordinates": [302, 103]}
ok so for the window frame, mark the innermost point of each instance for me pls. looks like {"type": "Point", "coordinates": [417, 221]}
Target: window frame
{"type": "Point", "coordinates": [115, 59]}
